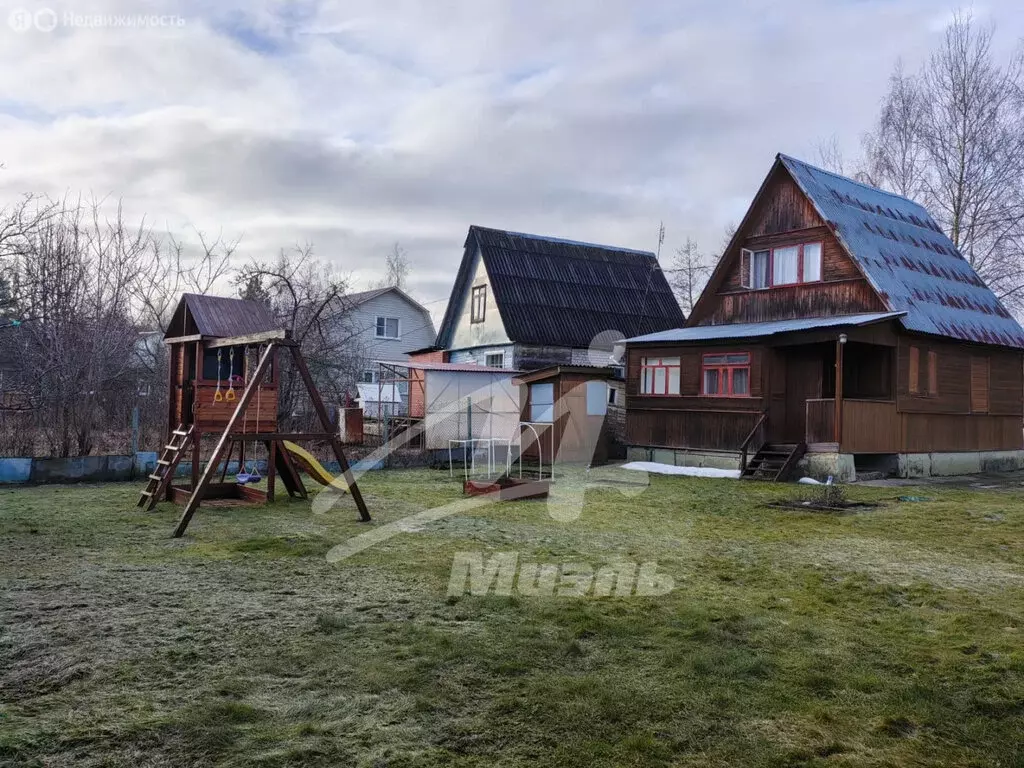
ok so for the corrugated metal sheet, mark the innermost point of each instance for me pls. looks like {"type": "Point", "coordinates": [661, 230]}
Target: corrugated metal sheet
{"type": "Point", "coordinates": [760, 330]}
{"type": "Point", "coordinates": [563, 293]}
{"type": "Point", "coordinates": [460, 367]}
{"type": "Point", "coordinates": [910, 262]}
{"type": "Point", "coordinates": [219, 316]}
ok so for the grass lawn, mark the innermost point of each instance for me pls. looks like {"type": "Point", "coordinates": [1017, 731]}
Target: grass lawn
{"type": "Point", "coordinates": [888, 637]}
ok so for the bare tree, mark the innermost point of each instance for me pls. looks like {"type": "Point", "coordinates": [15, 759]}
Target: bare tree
{"type": "Point", "coordinates": [953, 138]}
{"type": "Point", "coordinates": [396, 265]}
{"type": "Point", "coordinates": [689, 271]}
{"type": "Point", "coordinates": [308, 298]}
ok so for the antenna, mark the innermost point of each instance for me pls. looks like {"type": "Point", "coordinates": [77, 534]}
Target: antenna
{"type": "Point", "coordinates": [661, 237]}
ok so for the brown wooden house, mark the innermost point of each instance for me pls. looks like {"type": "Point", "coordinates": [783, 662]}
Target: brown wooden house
{"type": "Point", "coordinates": [840, 321]}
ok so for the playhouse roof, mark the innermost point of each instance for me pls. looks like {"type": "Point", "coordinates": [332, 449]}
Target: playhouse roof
{"type": "Point", "coordinates": [220, 317]}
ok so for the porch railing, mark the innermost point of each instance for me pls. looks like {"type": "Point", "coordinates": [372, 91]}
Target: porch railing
{"type": "Point", "coordinates": [869, 426]}
{"type": "Point", "coordinates": [757, 433]}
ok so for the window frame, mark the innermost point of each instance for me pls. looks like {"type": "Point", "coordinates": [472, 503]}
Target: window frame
{"type": "Point", "coordinates": [644, 366]}
{"type": "Point", "coordinates": [540, 386]}
{"type": "Point", "coordinates": [499, 353]}
{"type": "Point", "coordinates": [726, 374]}
{"type": "Point", "coordinates": [747, 265]}
{"type": "Point", "coordinates": [385, 318]}
{"type": "Point", "coordinates": [478, 304]}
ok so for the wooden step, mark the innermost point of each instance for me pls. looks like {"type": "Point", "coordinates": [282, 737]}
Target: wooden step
{"type": "Point", "coordinates": [174, 448]}
{"type": "Point", "coordinates": [156, 477]}
{"type": "Point", "coordinates": [179, 432]}
{"type": "Point", "coordinates": [162, 461]}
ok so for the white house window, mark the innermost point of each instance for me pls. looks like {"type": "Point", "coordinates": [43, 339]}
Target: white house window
{"type": "Point", "coordinates": [494, 359]}
{"type": "Point", "coordinates": [787, 265]}
{"type": "Point", "coordinates": [387, 327]}
{"type": "Point", "coordinates": [597, 398]}
{"type": "Point", "coordinates": [659, 376]}
{"type": "Point", "coordinates": [368, 377]}
{"type": "Point", "coordinates": [542, 403]}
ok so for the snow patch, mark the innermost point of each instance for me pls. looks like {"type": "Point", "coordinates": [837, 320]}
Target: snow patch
{"type": "Point", "coordinates": [669, 469]}
{"type": "Point", "coordinates": [809, 481]}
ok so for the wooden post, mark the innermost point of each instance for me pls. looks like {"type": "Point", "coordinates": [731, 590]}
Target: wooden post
{"type": "Point", "coordinates": [839, 391]}
{"type": "Point", "coordinates": [271, 467]}
{"type": "Point", "coordinates": [325, 422]}
{"type": "Point", "coordinates": [211, 466]}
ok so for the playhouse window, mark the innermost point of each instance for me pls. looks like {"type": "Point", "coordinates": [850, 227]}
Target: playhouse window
{"type": "Point", "coordinates": [659, 376]}
{"type": "Point", "coordinates": [387, 327]}
{"type": "Point", "coordinates": [726, 375]}
{"type": "Point", "coordinates": [478, 304]}
{"type": "Point", "coordinates": [786, 265]}
{"type": "Point", "coordinates": [542, 403]}
{"type": "Point", "coordinates": [228, 367]}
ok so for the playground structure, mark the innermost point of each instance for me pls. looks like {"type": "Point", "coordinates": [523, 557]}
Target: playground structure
{"type": "Point", "coordinates": [224, 379]}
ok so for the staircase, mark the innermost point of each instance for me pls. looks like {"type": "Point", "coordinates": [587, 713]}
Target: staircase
{"type": "Point", "coordinates": [774, 462]}
{"type": "Point", "coordinates": [165, 465]}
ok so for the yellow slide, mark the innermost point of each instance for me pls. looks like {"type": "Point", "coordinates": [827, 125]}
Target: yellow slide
{"type": "Point", "coordinates": [314, 468]}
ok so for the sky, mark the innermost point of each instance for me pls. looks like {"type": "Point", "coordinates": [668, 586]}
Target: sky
{"type": "Point", "coordinates": [353, 126]}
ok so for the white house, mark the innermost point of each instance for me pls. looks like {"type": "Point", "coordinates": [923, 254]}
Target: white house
{"type": "Point", "coordinates": [390, 324]}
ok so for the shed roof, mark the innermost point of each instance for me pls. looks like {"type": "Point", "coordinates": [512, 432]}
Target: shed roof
{"type": "Point", "coordinates": [595, 371]}
{"type": "Point", "coordinates": [460, 367]}
{"type": "Point", "coordinates": [563, 293]}
{"type": "Point", "coordinates": [760, 330]}
{"type": "Point", "coordinates": [909, 261]}
{"type": "Point", "coordinates": [222, 316]}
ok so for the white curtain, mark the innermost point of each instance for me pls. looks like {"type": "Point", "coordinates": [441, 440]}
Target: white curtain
{"type": "Point", "coordinates": [786, 270]}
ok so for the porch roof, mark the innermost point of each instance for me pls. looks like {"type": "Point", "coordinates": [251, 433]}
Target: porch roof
{"type": "Point", "coordinates": [758, 330]}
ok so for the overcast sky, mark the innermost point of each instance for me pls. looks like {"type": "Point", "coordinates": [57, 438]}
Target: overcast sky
{"type": "Point", "coordinates": [355, 125]}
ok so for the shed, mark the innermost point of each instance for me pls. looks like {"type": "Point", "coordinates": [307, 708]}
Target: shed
{"type": "Point", "coordinates": [457, 400]}
{"type": "Point", "coordinates": [566, 406]}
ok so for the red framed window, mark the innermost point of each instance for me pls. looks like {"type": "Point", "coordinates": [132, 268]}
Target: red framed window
{"type": "Point", "coordinates": [659, 376]}
{"type": "Point", "coordinates": [725, 374]}
{"type": "Point", "coordinates": [785, 265]}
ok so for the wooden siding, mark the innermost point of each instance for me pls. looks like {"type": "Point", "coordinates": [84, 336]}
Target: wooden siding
{"type": "Point", "coordinates": [209, 413]}
{"type": "Point", "coordinates": [821, 420]}
{"type": "Point", "coordinates": [870, 426]}
{"type": "Point", "coordinates": [703, 429]}
{"type": "Point", "coordinates": [790, 302]}
{"type": "Point", "coordinates": [835, 263]}
{"type": "Point", "coordinates": [954, 374]}
{"type": "Point", "coordinates": [783, 208]}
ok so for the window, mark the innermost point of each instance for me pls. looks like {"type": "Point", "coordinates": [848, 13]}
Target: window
{"type": "Point", "coordinates": [613, 396]}
{"type": "Point", "coordinates": [597, 398]}
{"type": "Point", "coordinates": [495, 359]}
{"type": "Point", "coordinates": [979, 384]}
{"type": "Point", "coordinates": [368, 377]}
{"type": "Point", "coordinates": [659, 376]}
{"type": "Point", "coordinates": [787, 265]}
{"type": "Point", "coordinates": [726, 375]}
{"type": "Point", "coordinates": [542, 403]}
{"type": "Point", "coordinates": [478, 304]}
{"type": "Point", "coordinates": [387, 327]}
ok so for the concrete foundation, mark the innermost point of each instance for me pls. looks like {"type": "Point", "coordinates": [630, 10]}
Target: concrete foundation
{"type": "Point", "coordinates": [680, 458]}
{"type": "Point", "coordinates": [821, 466]}
{"type": "Point", "coordinates": [963, 463]}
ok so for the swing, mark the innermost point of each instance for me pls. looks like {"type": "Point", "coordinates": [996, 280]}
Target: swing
{"type": "Point", "coordinates": [243, 476]}
{"type": "Point", "coordinates": [217, 396]}
{"type": "Point", "coordinates": [230, 395]}
{"type": "Point", "coordinates": [254, 474]}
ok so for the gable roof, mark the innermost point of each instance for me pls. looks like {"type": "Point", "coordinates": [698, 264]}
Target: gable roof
{"type": "Point", "coordinates": [910, 263]}
{"type": "Point", "coordinates": [563, 292]}
{"type": "Point", "coordinates": [361, 297]}
{"type": "Point", "coordinates": [221, 316]}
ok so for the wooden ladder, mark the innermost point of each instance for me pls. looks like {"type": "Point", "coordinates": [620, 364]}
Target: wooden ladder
{"type": "Point", "coordinates": [165, 466]}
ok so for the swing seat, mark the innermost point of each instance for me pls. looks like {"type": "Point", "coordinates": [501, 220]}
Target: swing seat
{"type": "Point", "coordinates": [255, 477]}
{"type": "Point", "coordinates": [242, 478]}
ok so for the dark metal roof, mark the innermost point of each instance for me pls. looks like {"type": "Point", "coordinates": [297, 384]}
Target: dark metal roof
{"type": "Point", "coordinates": [220, 316]}
{"type": "Point", "coordinates": [912, 265]}
{"type": "Point", "coordinates": [563, 293]}
{"type": "Point", "coordinates": [760, 330]}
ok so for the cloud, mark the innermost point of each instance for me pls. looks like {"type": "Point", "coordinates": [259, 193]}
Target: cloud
{"type": "Point", "coordinates": [354, 125]}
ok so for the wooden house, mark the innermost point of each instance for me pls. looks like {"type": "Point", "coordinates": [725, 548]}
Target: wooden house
{"type": "Point", "coordinates": [839, 321]}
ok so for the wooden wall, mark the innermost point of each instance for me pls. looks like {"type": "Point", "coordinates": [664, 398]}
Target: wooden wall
{"type": "Point", "coordinates": [784, 216]}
